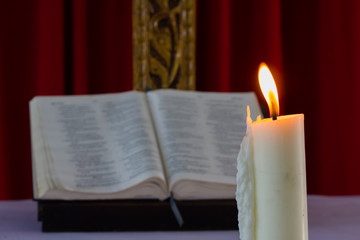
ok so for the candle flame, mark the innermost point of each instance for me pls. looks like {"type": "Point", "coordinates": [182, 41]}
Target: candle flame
{"type": "Point", "coordinates": [268, 88]}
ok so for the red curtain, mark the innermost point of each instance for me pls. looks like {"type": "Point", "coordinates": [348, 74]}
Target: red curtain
{"type": "Point", "coordinates": [78, 47]}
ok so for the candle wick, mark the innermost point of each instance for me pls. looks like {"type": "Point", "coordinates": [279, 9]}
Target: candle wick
{"type": "Point", "coordinates": [274, 117]}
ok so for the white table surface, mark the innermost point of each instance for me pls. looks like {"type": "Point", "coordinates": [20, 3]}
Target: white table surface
{"type": "Point", "coordinates": [330, 218]}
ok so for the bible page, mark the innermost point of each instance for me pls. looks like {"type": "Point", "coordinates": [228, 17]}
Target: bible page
{"type": "Point", "coordinates": [101, 143]}
{"type": "Point", "coordinates": [200, 134]}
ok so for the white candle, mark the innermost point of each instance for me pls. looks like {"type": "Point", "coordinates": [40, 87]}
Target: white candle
{"type": "Point", "coordinates": [280, 178]}
{"type": "Point", "coordinates": [271, 191]}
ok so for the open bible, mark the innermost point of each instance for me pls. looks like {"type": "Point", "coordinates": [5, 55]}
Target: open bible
{"type": "Point", "coordinates": [137, 145]}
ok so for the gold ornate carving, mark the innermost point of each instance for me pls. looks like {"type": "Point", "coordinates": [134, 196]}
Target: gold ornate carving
{"type": "Point", "coordinates": [163, 44]}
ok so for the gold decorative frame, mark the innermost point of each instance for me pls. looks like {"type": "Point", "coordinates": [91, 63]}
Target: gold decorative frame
{"type": "Point", "coordinates": [163, 44]}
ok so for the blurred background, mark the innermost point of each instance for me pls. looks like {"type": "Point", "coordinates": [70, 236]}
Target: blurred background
{"type": "Point", "coordinates": [312, 47]}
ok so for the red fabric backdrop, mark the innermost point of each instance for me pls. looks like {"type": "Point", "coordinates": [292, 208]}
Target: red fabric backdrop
{"type": "Point", "coordinates": [76, 47]}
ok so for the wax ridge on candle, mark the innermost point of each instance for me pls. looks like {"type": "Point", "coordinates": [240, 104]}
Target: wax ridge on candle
{"type": "Point", "coordinates": [245, 186]}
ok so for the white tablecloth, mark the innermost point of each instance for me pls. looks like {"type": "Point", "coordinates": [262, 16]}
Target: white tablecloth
{"type": "Point", "coordinates": [330, 218]}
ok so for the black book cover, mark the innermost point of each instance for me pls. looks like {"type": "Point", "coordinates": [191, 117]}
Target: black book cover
{"type": "Point", "coordinates": [136, 215]}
